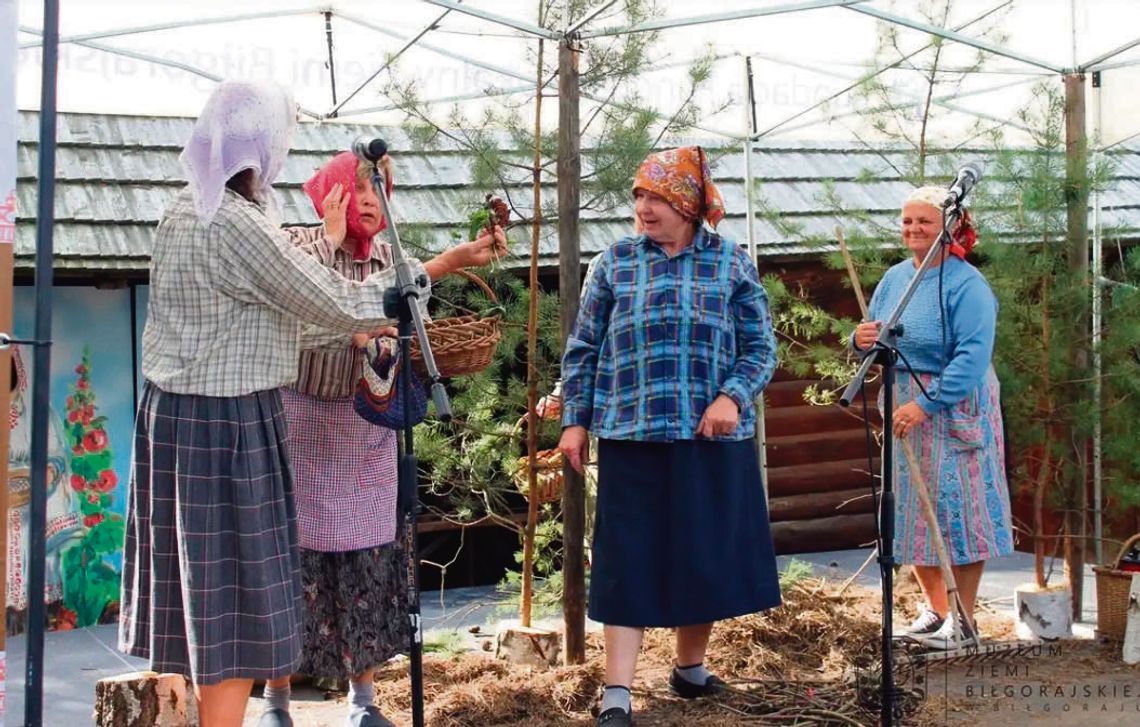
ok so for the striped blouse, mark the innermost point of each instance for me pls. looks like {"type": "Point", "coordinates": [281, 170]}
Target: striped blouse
{"type": "Point", "coordinates": [329, 364]}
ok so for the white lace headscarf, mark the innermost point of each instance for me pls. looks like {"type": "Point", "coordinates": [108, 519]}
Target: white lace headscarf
{"type": "Point", "coordinates": [245, 125]}
{"type": "Point", "coordinates": [933, 196]}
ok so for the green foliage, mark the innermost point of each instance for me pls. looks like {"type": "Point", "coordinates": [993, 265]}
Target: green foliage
{"type": "Point", "coordinates": [448, 642]}
{"type": "Point", "coordinates": [795, 572]}
{"type": "Point", "coordinates": [547, 599]}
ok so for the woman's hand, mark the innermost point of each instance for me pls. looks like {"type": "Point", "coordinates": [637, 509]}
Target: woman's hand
{"type": "Point", "coordinates": [483, 249]}
{"type": "Point", "coordinates": [360, 340]}
{"type": "Point", "coordinates": [720, 418]}
{"type": "Point", "coordinates": [907, 417]}
{"type": "Point", "coordinates": [480, 251]}
{"type": "Point", "coordinates": [575, 447]}
{"type": "Point", "coordinates": [866, 333]}
{"type": "Point", "coordinates": [335, 205]}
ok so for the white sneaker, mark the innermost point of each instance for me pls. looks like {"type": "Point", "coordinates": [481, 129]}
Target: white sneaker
{"type": "Point", "coordinates": [948, 637]}
{"type": "Point", "coordinates": [928, 622]}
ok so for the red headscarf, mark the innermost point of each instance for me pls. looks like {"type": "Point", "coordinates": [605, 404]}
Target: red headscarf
{"type": "Point", "coordinates": [964, 236]}
{"type": "Point", "coordinates": [341, 170]}
{"type": "Point", "coordinates": [682, 178]}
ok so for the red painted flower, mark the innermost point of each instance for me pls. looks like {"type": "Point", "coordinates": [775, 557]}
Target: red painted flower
{"type": "Point", "coordinates": [107, 481]}
{"type": "Point", "coordinates": [81, 369]}
{"type": "Point", "coordinates": [86, 415]}
{"type": "Point", "coordinates": [70, 401]}
{"type": "Point", "coordinates": [77, 450]}
{"type": "Point", "coordinates": [72, 416]}
{"type": "Point", "coordinates": [93, 520]}
{"type": "Point", "coordinates": [95, 440]}
{"type": "Point", "coordinates": [78, 483]}
{"type": "Point", "coordinates": [82, 385]}
{"type": "Point", "coordinates": [67, 619]}
{"type": "Point", "coordinates": [93, 498]}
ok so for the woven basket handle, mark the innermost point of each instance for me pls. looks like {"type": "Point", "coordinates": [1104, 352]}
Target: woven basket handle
{"type": "Point", "coordinates": [463, 272]}
{"type": "Point", "coordinates": [1124, 550]}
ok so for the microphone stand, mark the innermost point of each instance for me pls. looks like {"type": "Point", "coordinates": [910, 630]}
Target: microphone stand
{"type": "Point", "coordinates": [402, 303]}
{"type": "Point", "coordinates": [884, 353]}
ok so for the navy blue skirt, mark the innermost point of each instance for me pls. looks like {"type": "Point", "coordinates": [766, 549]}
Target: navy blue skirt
{"type": "Point", "coordinates": [681, 535]}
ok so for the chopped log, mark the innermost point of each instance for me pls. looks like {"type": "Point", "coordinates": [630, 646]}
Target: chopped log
{"type": "Point", "coordinates": [145, 699]}
{"type": "Point", "coordinates": [822, 534]}
{"type": "Point", "coordinates": [838, 502]}
{"type": "Point", "coordinates": [528, 645]}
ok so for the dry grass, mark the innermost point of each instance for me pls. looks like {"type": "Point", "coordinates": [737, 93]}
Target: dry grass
{"type": "Point", "coordinates": [813, 661]}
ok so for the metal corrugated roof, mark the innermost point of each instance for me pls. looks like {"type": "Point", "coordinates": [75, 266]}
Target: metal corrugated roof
{"type": "Point", "coordinates": [116, 174]}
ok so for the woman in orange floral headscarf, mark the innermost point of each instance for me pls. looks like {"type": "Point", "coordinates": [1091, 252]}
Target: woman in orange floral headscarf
{"type": "Point", "coordinates": [672, 345]}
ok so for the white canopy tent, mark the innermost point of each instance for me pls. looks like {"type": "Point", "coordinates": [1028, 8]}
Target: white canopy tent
{"type": "Point", "coordinates": [807, 55]}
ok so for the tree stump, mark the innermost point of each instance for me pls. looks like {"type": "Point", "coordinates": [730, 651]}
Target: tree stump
{"type": "Point", "coordinates": [1043, 613]}
{"type": "Point", "coordinates": [525, 645]}
{"type": "Point", "coordinates": [145, 699]}
{"type": "Point", "coordinates": [1131, 652]}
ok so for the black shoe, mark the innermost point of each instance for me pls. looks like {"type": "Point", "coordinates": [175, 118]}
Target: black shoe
{"type": "Point", "coordinates": [685, 689]}
{"type": "Point", "coordinates": [615, 717]}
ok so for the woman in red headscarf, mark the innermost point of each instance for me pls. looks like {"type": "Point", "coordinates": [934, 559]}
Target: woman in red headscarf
{"type": "Point", "coordinates": [672, 345]}
{"type": "Point", "coordinates": [353, 565]}
{"type": "Point", "coordinates": [948, 401]}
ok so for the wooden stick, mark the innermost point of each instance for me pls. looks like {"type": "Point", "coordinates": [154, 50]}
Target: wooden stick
{"type": "Point", "coordinates": [919, 485]}
{"type": "Point", "coordinates": [847, 583]}
{"type": "Point", "coordinates": [918, 482]}
{"type": "Point", "coordinates": [851, 271]}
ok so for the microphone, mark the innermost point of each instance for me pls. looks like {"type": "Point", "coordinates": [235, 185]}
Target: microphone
{"type": "Point", "coordinates": [370, 150]}
{"type": "Point", "coordinates": [968, 176]}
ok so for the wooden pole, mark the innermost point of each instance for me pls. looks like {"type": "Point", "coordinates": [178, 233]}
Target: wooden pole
{"type": "Point", "coordinates": [531, 351]}
{"type": "Point", "coordinates": [1077, 210]}
{"type": "Point", "coordinates": [569, 289]}
{"type": "Point", "coordinates": [8, 54]}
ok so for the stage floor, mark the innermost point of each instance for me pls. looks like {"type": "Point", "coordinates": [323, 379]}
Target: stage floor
{"type": "Point", "coordinates": [75, 660]}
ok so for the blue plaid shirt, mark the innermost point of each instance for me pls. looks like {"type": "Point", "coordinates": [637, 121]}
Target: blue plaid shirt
{"type": "Point", "coordinates": [658, 338]}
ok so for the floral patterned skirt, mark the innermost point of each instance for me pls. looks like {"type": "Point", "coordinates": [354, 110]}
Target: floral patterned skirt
{"type": "Point", "coordinates": [356, 615]}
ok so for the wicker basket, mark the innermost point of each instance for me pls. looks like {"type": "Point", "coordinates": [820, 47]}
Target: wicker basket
{"type": "Point", "coordinates": [1113, 587]}
{"type": "Point", "coordinates": [464, 344]}
{"type": "Point", "coordinates": [548, 479]}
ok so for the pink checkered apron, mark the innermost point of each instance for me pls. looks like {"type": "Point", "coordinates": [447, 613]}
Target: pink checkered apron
{"type": "Point", "coordinates": [344, 475]}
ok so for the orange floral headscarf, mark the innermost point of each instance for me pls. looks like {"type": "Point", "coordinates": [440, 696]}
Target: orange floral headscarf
{"type": "Point", "coordinates": [681, 177]}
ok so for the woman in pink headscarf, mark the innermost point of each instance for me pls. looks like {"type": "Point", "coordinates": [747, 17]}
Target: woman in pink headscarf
{"type": "Point", "coordinates": [353, 564]}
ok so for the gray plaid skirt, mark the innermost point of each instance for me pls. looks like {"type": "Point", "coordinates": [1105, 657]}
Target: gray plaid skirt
{"type": "Point", "coordinates": [211, 566]}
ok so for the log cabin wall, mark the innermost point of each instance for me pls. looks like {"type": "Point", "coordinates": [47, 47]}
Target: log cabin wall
{"type": "Point", "coordinates": [819, 471]}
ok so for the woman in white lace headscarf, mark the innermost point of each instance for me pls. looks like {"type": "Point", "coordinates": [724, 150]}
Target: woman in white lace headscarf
{"type": "Point", "coordinates": [211, 572]}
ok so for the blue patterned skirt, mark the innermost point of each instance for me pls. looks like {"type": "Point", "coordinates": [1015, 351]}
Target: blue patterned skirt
{"type": "Point", "coordinates": [681, 534]}
{"type": "Point", "coordinates": [962, 454]}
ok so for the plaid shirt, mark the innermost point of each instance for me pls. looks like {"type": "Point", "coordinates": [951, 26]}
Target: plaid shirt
{"type": "Point", "coordinates": [658, 338]}
{"type": "Point", "coordinates": [229, 300]}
